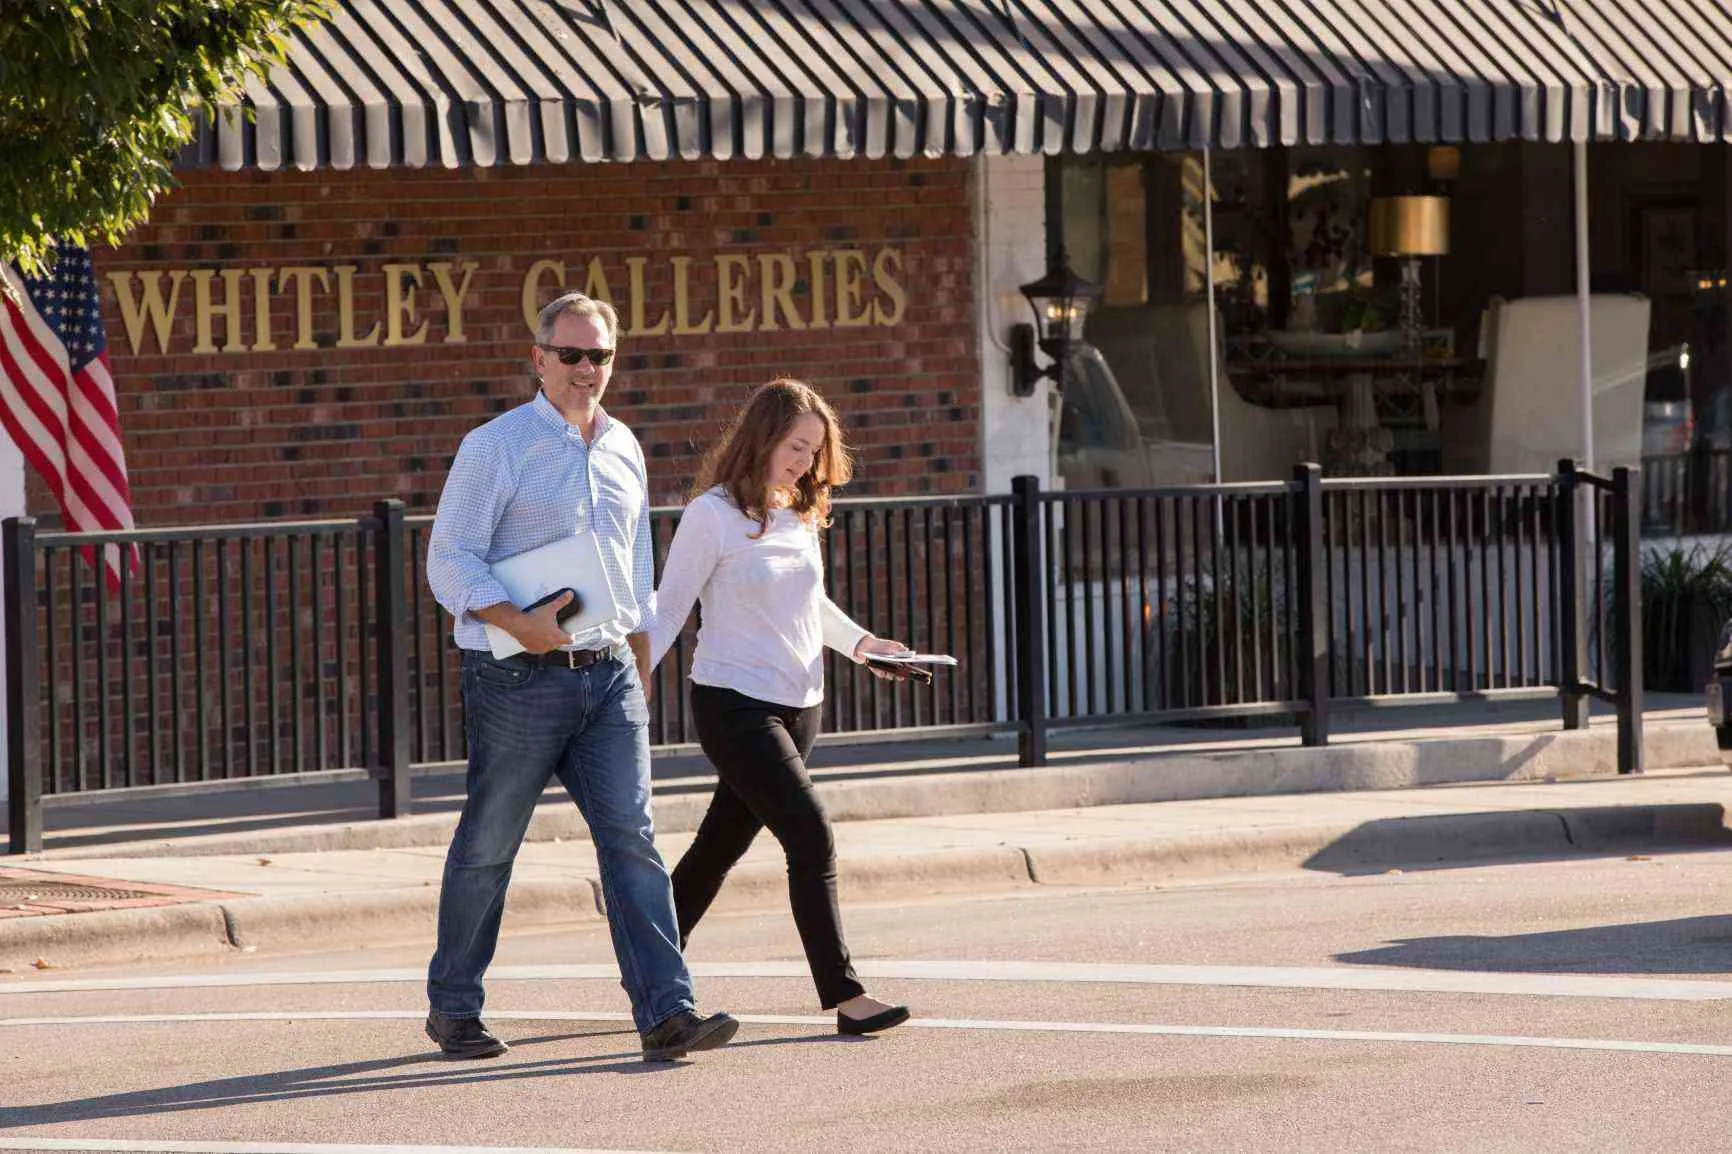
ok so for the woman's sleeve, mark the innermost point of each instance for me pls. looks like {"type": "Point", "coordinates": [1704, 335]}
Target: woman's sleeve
{"type": "Point", "coordinates": [840, 631]}
{"type": "Point", "coordinates": [692, 557]}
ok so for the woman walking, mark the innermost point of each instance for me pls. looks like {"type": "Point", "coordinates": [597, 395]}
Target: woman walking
{"type": "Point", "coordinates": [747, 547]}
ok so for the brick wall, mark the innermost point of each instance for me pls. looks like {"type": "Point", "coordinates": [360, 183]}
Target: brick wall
{"type": "Point", "coordinates": [263, 432]}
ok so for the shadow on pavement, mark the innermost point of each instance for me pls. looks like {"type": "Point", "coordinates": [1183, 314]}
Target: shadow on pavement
{"type": "Point", "coordinates": [1701, 945]}
{"type": "Point", "coordinates": [1460, 840]}
{"type": "Point", "coordinates": [369, 1077]}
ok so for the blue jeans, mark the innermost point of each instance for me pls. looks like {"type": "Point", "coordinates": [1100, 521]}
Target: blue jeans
{"type": "Point", "coordinates": [589, 726]}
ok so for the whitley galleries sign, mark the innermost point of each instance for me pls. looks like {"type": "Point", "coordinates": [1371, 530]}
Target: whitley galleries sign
{"type": "Point", "coordinates": [765, 292]}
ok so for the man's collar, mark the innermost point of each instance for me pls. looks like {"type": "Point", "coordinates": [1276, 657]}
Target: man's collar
{"type": "Point", "coordinates": [554, 417]}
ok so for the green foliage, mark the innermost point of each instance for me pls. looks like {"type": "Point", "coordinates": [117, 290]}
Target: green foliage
{"type": "Point", "coordinates": [97, 97]}
{"type": "Point", "coordinates": [1686, 595]}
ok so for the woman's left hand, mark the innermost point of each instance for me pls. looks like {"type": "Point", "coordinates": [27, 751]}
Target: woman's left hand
{"type": "Point", "coordinates": [871, 644]}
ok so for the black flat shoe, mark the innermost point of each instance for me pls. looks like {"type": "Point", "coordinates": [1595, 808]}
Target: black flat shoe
{"type": "Point", "coordinates": [463, 1037]}
{"type": "Point", "coordinates": [883, 1020]}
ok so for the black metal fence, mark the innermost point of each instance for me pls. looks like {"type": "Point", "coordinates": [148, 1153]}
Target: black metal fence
{"type": "Point", "coordinates": [1687, 494]}
{"type": "Point", "coordinates": [245, 656]}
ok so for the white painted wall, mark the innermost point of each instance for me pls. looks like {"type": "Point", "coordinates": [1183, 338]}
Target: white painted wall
{"type": "Point", "coordinates": [1010, 242]}
{"type": "Point", "coordinates": [11, 505]}
{"type": "Point", "coordinates": [1016, 433]}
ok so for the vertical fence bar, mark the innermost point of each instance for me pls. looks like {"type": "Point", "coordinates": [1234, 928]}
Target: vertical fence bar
{"type": "Point", "coordinates": [296, 684]}
{"type": "Point", "coordinates": [1030, 628]}
{"type": "Point", "coordinates": [1627, 613]}
{"type": "Point", "coordinates": [75, 658]}
{"type": "Point", "coordinates": [99, 636]}
{"type": "Point", "coordinates": [174, 706]}
{"type": "Point", "coordinates": [1084, 537]}
{"type": "Point", "coordinates": [128, 758]}
{"type": "Point", "coordinates": [273, 685]}
{"type": "Point", "coordinates": [392, 613]}
{"type": "Point", "coordinates": [1572, 646]}
{"type": "Point", "coordinates": [200, 718]}
{"type": "Point", "coordinates": [23, 687]}
{"type": "Point", "coordinates": [1311, 638]}
{"type": "Point", "coordinates": [1385, 634]}
{"type": "Point", "coordinates": [223, 634]}
{"type": "Point", "coordinates": [321, 753]}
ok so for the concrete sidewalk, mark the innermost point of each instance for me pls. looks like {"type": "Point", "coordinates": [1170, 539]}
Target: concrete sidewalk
{"type": "Point", "coordinates": [1105, 812]}
{"type": "Point", "coordinates": [1369, 749]}
{"type": "Point", "coordinates": [337, 899]}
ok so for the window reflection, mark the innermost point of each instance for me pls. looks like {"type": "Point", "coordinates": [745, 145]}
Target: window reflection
{"type": "Point", "coordinates": [1317, 360]}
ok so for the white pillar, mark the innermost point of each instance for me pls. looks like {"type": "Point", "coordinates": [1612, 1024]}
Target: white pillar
{"type": "Point", "coordinates": [1584, 309]}
{"type": "Point", "coordinates": [1016, 434]}
{"type": "Point", "coordinates": [11, 505]}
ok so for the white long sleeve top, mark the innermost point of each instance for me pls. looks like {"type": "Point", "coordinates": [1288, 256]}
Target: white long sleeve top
{"type": "Point", "coordinates": [766, 617]}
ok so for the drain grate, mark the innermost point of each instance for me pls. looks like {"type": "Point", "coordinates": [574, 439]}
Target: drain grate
{"type": "Point", "coordinates": [13, 893]}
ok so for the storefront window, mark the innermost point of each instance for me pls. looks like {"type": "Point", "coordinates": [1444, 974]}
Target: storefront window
{"type": "Point", "coordinates": [1402, 310]}
{"type": "Point", "coordinates": [1135, 406]}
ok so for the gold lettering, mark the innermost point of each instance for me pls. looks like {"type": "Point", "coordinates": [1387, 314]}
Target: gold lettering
{"type": "Point", "coordinates": [682, 301]}
{"type": "Point", "coordinates": [776, 270]}
{"type": "Point", "coordinates": [454, 297]}
{"type": "Point", "coordinates": [595, 282]}
{"type": "Point", "coordinates": [890, 286]}
{"type": "Point", "coordinates": [262, 342]}
{"type": "Point", "coordinates": [850, 283]}
{"type": "Point", "coordinates": [302, 277]}
{"type": "Point", "coordinates": [134, 312]}
{"type": "Point", "coordinates": [346, 338]}
{"type": "Point", "coordinates": [400, 305]}
{"type": "Point", "coordinates": [731, 273]}
{"type": "Point", "coordinates": [204, 310]}
{"type": "Point", "coordinates": [815, 289]}
{"type": "Point", "coordinates": [532, 288]}
{"type": "Point", "coordinates": [640, 301]}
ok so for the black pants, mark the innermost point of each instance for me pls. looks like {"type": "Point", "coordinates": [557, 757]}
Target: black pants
{"type": "Point", "coordinates": [759, 750]}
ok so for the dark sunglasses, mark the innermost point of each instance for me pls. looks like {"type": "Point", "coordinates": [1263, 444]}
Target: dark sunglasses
{"type": "Point", "coordinates": [568, 355]}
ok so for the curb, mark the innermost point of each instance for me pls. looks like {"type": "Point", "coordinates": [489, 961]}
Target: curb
{"type": "Point", "coordinates": [407, 914]}
{"type": "Point", "coordinates": [114, 937]}
{"type": "Point", "coordinates": [1162, 776]}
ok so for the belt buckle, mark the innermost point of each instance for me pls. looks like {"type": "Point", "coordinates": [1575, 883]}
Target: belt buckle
{"type": "Point", "coordinates": [571, 659]}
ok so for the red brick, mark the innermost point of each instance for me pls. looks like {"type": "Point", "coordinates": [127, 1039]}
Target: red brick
{"type": "Point", "coordinates": [215, 437]}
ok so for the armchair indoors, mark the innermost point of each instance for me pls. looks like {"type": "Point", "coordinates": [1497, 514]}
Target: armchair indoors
{"type": "Point", "coordinates": [1529, 414]}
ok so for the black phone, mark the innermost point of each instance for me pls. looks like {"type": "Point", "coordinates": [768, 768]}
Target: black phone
{"type": "Point", "coordinates": [571, 610]}
{"type": "Point", "coordinates": [902, 671]}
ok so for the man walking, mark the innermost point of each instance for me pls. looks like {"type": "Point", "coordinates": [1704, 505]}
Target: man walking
{"type": "Point", "coordinates": [571, 705]}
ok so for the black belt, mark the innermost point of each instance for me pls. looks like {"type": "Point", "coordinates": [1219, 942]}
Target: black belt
{"type": "Point", "coordinates": [564, 658]}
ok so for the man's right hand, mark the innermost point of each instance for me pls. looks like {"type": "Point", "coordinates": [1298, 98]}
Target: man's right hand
{"type": "Point", "coordinates": [538, 630]}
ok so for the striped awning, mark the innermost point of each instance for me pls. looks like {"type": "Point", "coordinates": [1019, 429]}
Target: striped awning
{"type": "Point", "coordinates": [458, 83]}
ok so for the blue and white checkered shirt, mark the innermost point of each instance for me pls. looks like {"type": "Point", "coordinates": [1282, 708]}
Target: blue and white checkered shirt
{"type": "Point", "coordinates": [527, 478]}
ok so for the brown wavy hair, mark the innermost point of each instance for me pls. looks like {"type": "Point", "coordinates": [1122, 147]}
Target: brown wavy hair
{"type": "Point", "coordinates": [740, 461]}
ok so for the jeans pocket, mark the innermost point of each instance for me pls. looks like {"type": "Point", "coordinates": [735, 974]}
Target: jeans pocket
{"type": "Point", "coordinates": [498, 675]}
{"type": "Point", "coordinates": [633, 701]}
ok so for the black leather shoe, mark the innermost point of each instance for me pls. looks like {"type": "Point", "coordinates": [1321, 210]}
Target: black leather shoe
{"type": "Point", "coordinates": [463, 1037]}
{"type": "Point", "coordinates": [677, 1035]}
{"type": "Point", "coordinates": [882, 1020]}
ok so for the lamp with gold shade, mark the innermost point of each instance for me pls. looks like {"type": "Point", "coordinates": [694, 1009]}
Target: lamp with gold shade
{"type": "Point", "coordinates": [1408, 228]}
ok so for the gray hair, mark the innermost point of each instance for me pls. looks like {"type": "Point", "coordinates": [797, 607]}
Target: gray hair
{"type": "Point", "coordinates": [579, 305]}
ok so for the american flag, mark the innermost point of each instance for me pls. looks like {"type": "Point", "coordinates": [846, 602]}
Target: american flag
{"type": "Point", "coordinates": [57, 396]}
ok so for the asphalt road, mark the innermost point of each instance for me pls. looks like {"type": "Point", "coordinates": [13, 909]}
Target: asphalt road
{"type": "Point", "coordinates": [1563, 1005]}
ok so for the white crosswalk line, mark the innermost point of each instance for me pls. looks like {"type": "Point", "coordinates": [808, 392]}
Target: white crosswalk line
{"type": "Point", "coordinates": [827, 1023]}
{"type": "Point", "coordinates": [1270, 977]}
{"type": "Point", "coordinates": [150, 1147]}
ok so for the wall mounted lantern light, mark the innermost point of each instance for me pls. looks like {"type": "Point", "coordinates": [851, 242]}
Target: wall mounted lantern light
{"type": "Point", "coordinates": [1061, 300]}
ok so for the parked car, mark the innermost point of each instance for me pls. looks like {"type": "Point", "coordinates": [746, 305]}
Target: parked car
{"type": "Point", "coordinates": [1720, 694]}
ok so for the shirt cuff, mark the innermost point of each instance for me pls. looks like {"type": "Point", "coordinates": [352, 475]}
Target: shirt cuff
{"type": "Point", "coordinates": [480, 596]}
